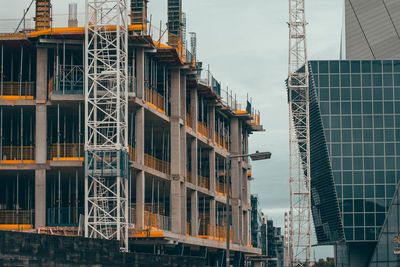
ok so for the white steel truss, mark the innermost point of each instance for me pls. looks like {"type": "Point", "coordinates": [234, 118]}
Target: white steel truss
{"type": "Point", "coordinates": [299, 110]}
{"type": "Point", "coordinates": [106, 120]}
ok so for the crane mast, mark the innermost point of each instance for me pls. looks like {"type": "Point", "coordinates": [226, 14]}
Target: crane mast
{"type": "Point", "coordinates": [106, 120]}
{"type": "Point", "coordinates": [299, 108]}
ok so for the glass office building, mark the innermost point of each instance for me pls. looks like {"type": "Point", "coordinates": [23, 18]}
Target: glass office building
{"type": "Point", "coordinates": [355, 145]}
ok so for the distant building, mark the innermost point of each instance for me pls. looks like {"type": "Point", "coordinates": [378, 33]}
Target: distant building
{"type": "Point", "coordinates": [275, 244]}
{"type": "Point", "coordinates": [256, 222]}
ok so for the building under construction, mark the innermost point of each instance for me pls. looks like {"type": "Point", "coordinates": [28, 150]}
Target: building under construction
{"type": "Point", "coordinates": [182, 128]}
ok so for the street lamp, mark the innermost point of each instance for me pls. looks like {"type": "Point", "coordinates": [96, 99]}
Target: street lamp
{"type": "Point", "coordinates": [254, 157]}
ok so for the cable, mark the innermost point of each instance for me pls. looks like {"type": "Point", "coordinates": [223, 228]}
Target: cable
{"type": "Point", "coordinates": [362, 30]}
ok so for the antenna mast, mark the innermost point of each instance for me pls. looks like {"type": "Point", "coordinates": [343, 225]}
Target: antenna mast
{"type": "Point", "coordinates": [299, 108]}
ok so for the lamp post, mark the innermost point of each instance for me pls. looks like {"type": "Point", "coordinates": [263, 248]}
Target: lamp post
{"type": "Point", "coordinates": [254, 157]}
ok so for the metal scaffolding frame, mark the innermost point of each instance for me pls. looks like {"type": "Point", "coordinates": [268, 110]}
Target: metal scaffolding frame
{"type": "Point", "coordinates": [106, 120]}
{"type": "Point", "coordinates": [299, 105]}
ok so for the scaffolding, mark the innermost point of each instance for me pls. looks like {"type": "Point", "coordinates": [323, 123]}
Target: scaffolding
{"type": "Point", "coordinates": [106, 121]}
{"type": "Point", "coordinates": [299, 134]}
{"type": "Point", "coordinates": [43, 15]}
{"type": "Point", "coordinates": [175, 24]}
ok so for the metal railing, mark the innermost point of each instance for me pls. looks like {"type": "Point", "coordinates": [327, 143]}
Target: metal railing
{"type": "Point", "coordinates": [66, 151]}
{"type": "Point", "coordinates": [70, 80]}
{"type": "Point", "coordinates": [202, 129]}
{"type": "Point", "coordinates": [154, 221]}
{"type": "Point", "coordinates": [155, 100]}
{"type": "Point", "coordinates": [157, 164]}
{"type": "Point", "coordinates": [212, 232]}
{"type": "Point", "coordinates": [132, 153]}
{"type": "Point", "coordinates": [63, 216]}
{"type": "Point", "coordinates": [221, 141]}
{"type": "Point", "coordinates": [17, 154]}
{"type": "Point", "coordinates": [189, 121]}
{"type": "Point", "coordinates": [17, 216]}
{"type": "Point", "coordinates": [204, 182]}
{"type": "Point", "coordinates": [17, 90]}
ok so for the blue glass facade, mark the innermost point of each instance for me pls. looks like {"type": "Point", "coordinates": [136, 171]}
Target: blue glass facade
{"type": "Point", "coordinates": [359, 106]}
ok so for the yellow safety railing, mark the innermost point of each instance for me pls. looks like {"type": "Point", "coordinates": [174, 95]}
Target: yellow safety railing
{"type": "Point", "coordinates": [188, 228]}
{"type": "Point", "coordinates": [255, 119]}
{"type": "Point", "coordinates": [221, 141]}
{"type": "Point", "coordinates": [12, 217]}
{"type": "Point", "coordinates": [17, 155]}
{"type": "Point", "coordinates": [202, 129]}
{"type": "Point", "coordinates": [155, 100]}
{"type": "Point", "coordinates": [204, 182]}
{"type": "Point", "coordinates": [66, 152]}
{"type": "Point", "coordinates": [154, 221]}
{"type": "Point", "coordinates": [132, 153]}
{"type": "Point", "coordinates": [17, 90]}
{"type": "Point", "coordinates": [188, 176]}
{"type": "Point", "coordinates": [189, 121]}
{"type": "Point", "coordinates": [157, 164]}
{"type": "Point", "coordinates": [220, 188]}
{"type": "Point", "coordinates": [217, 233]}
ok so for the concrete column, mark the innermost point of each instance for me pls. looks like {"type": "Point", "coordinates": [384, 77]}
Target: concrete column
{"type": "Point", "coordinates": [183, 208]}
{"type": "Point", "coordinates": [183, 128]}
{"type": "Point", "coordinates": [41, 137]}
{"type": "Point", "coordinates": [194, 200]}
{"type": "Point", "coordinates": [140, 72]}
{"type": "Point", "coordinates": [193, 104]}
{"type": "Point", "coordinates": [212, 213]}
{"type": "Point", "coordinates": [175, 152]}
{"type": "Point", "coordinates": [212, 123]}
{"type": "Point", "coordinates": [41, 74]}
{"type": "Point", "coordinates": [235, 179]}
{"type": "Point", "coordinates": [140, 194]}
{"type": "Point", "coordinates": [139, 135]}
{"type": "Point", "coordinates": [211, 158]}
{"type": "Point", "coordinates": [183, 96]}
{"type": "Point", "coordinates": [246, 228]}
{"type": "Point", "coordinates": [40, 198]}
{"type": "Point", "coordinates": [194, 157]}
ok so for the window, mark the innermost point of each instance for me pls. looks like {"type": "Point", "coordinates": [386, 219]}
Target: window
{"type": "Point", "coordinates": [359, 233]}
{"type": "Point", "coordinates": [347, 177]}
{"type": "Point", "coordinates": [376, 66]}
{"type": "Point", "coordinates": [345, 91]}
{"type": "Point", "coordinates": [369, 191]}
{"type": "Point", "coordinates": [380, 191]}
{"type": "Point", "coordinates": [346, 136]}
{"type": "Point", "coordinates": [347, 191]}
{"type": "Point", "coordinates": [348, 220]}
{"type": "Point", "coordinates": [335, 122]}
{"type": "Point", "coordinates": [323, 80]}
{"type": "Point", "coordinates": [357, 163]}
{"type": "Point", "coordinates": [388, 93]}
{"type": "Point", "coordinates": [358, 177]}
{"type": "Point", "coordinates": [346, 121]}
{"type": "Point", "coordinates": [377, 79]}
{"type": "Point", "coordinates": [357, 122]}
{"type": "Point", "coordinates": [367, 108]}
{"type": "Point", "coordinates": [388, 107]}
{"type": "Point", "coordinates": [335, 93]}
{"type": "Point", "coordinates": [387, 80]}
{"type": "Point", "coordinates": [366, 80]}
{"type": "Point", "coordinates": [368, 149]}
{"type": "Point", "coordinates": [358, 191]}
{"type": "Point", "coordinates": [324, 94]}
{"type": "Point", "coordinates": [366, 66]}
{"type": "Point", "coordinates": [359, 206]}
{"type": "Point", "coordinates": [378, 121]}
{"type": "Point", "coordinates": [344, 66]}
{"type": "Point", "coordinates": [356, 93]}
{"type": "Point", "coordinates": [388, 66]}
{"type": "Point", "coordinates": [334, 66]}
{"type": "Point", "coordinates": [369, 177]}
{"type": "Point", "coordinates": [323, 67]}
{"type": "Point", "coordinates": [378, 107]}
{"type": "Point", "coordinates": [347, 164]}
{"type": "Point", "coordinates": [355, 67]}
{"type": "Point", "coordinates": [355, 80]}
{"type": "Point", "coordinates": [334, 80]}
{"type": "Point", "coordinates": [348, 232]}
{"type": "Point", "coordinates": [369, 219]}
{"type": "Point", "coordinates": [368, 163]}
{"type": "Point", "coordinates": [377, 93]}
{"type": "Point", "coordinates": [367, 121]}
{"type": "Point", "coordinates": [367, 135]}
{"type": "Point", "coordinates": [389, 121]}
{"type": "Point", "coordinates": [345, 80]}
{"type": "Point", "coordinates": [357, 135]}
{"type": "Point", "coordinates": [356, 107]}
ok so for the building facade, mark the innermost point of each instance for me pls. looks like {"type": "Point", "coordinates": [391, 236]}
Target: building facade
{"type": "Point", "coordinates": [355, 141]}
{"type": "Point", "coordinates": [372, 29]}
{"type": "Point", "coordinates": [182, 129]}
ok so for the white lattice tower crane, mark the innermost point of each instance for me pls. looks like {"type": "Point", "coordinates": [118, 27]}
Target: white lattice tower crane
{"type": "Point", "coordinates": [299, 110]}
{"type": "Point", "coordinates": [106, 120]}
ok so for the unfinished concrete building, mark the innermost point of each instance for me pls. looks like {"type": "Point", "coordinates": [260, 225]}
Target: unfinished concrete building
{"type": "Point", "coordinates": [182, 128]}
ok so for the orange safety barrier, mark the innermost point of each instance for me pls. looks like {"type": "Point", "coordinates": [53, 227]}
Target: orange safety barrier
{"type": "Point", "coordinates": [255, 119]}
{"type": "Point", "coordinates": [204, 182]}
{"type": "Point", "coordinates": [17, 90]}
{"type": "Point", "coordinates": [157, 164]}
{"type": "Point", "coordinates": [188, 176]}
{"type": "Point", "coordinates": [220, 188]}
{"type": "Point", "coordinates": [16, 219]}
{"type": "Point", "coordinates": [17, 155]}
{"type": "Point", "coordinates": [153, 221]}
{"type": "Point", "coordinates": [155, 100]}
{"type": "Point", "coordinates": [217, 233]}
{"type": "Point", "coordinates": [221, 141]}
{"type": "Point", "coordinates": [189, 122]}
{"type": "Point", "coordinates": [132, 153]}
{"type": "Point", "coordinates": [188, 228]}
{"type": "Point", "coordinates": [202, 129]}
{"type": "Point", "coordinates": [66, 152]}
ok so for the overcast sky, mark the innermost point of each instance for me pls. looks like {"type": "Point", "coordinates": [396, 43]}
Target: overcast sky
{"type": "Point", "coordinates": [246, 43]}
